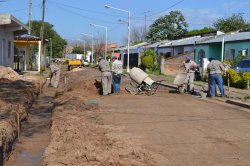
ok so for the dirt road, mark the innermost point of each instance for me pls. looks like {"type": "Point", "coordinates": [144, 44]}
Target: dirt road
{"type": "Point", "coordinates": [164, 129]}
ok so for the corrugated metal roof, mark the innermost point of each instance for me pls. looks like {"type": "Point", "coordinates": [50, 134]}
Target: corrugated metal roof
{"type": "Point", "coordinates": [238, 36]}
{"type": "Point", "coordinates": [27, 37]}
{"type": "Point", "coordinates": [181, 42]}
{"type": "Point", "coordinates": [153, 45]}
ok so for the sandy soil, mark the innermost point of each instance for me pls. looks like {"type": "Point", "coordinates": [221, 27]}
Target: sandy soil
{"type": "Point", "coordinates": [164, 129]}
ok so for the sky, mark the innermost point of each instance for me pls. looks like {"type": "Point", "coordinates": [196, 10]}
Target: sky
{"type": "Point", "coordinates": [71, 18]}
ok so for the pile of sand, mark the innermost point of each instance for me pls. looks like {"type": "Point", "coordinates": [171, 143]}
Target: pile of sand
{"type": "Point", "coordinates": [9, 74]}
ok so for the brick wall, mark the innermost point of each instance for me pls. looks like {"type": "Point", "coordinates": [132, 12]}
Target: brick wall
{"type": "Point", "coordinates": [172, 65]}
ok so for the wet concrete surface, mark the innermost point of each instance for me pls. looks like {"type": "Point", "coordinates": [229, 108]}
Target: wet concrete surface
{"type": "Point", "coordinates": [35, 134]}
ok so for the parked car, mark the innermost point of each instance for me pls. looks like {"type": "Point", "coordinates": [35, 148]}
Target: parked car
{"type": "Point", "coordinates": [86, 63]}
{"type": "Point", "coordinates": [243, 66]}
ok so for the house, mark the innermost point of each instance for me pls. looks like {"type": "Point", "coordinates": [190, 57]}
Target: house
{"type": "Point", "coordinates": [223, 47]}
{"type": "Point", "coordinates": [9, 28]}
{"type": "Point", "coordinates": [134, 54]}
{"type": "Point", "coordinates": [178, 47]}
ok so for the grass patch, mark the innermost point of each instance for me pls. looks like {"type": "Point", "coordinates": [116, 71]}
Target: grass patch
{"type": "Point", "coordinates": [169, 78]}
{"type": "Point", "coordinates": [155, 72]}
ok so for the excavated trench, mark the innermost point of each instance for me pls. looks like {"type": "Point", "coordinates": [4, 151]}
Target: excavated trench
{"type": "Point", "coordinates": [35, 133]}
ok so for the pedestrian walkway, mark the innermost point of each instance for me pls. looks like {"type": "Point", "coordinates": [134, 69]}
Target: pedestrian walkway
{"type": "Point", "coordinates": [234, 94]}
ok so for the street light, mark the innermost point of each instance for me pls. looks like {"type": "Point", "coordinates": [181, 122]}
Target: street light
{"type": "Point", "coordinates": [83, 47]}
{"type": "Point", "coordinates": [106, 29]}
{"type": "Point", "coordinates": [85, 34]}
{"type": "Point", "coordinates": [110, 7]}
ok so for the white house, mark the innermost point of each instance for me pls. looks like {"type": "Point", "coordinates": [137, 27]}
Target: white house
{"type": "Point", "coordinates": [9, 28]}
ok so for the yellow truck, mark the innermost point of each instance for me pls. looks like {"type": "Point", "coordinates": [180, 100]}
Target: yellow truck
{"type": "Point", "coordinates": [74, 60]}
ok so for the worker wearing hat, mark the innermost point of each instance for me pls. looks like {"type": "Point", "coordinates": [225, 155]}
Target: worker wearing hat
{"type": "Point", "coordinates": [116, 74]}
{"type": "Point", "coordinates": [54, 74]}
{"type": "Point", "coordinates": [189, 68]}
{"type": "Point", "coordinates": [106, 75]}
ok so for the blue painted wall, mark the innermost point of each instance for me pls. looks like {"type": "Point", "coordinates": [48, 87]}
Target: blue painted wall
{"type": "Point", "coordinates": [215, 51]}
{"type": "Point", "coordinates": [238, 46]}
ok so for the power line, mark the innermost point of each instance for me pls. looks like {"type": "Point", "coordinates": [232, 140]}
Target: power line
{"type": "Point", "coordinates": [90, 11]}
{"type": "Point", "coordinates": [80, 15]}
{"type": "Point", "coordinates": [175, 4]}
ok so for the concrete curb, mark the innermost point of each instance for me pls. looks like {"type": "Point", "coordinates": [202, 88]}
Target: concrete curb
{"type": "Point", "coordinates": [229, 101]}
{"type": "Point", "coordinates": [238, 103]}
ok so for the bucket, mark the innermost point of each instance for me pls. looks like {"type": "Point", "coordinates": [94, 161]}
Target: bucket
{"type": "Point", "coordinates": [203, 95]}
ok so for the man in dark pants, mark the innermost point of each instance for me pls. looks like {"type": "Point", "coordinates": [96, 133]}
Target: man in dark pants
{"type": "Point", "coordinates": [116, 74]}
{"type": "Point", "coordinates": [106, 76]}
{"type": "Point", "coordinates": [215, 68]}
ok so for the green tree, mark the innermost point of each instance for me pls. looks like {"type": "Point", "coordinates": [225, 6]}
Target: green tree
{"type": "Point", "coordinates": [232, 23]}
{"type": "Point", "coordinates": [201, 31]}
{"type": "Point", "coordinates": [168, 27]}
{"type": "Point", "coordinates": [58, 44]}
{"type": "Point", "coordinates": [77, 50]}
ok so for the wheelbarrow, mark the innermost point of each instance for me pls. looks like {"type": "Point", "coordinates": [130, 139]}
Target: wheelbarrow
{"type": "Point", "coordinates": [141, 83]}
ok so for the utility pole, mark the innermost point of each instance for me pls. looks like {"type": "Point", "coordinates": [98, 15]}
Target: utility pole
{"type": "Point", "coordinates": [50, 49]}
{"type": "Point", "coordinates": [41, 33]}
{"type": "Point", "coordinates": [145, 28]}
{"type": "Point", "coordinates": [30, 16]}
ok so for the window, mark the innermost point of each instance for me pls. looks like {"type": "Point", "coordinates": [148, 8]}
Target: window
{"type": "Point", "coordinates": [9, 49]}
{"type": "Point", "coordinates": [244, 52]}
{"type": "Point", "coordinates": [201, 55]}
{"type": "Point", "coordinates": [230, 54]}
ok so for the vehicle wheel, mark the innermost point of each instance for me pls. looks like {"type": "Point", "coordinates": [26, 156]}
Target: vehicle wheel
{"type": "Point", "coordinates": [131, 90]}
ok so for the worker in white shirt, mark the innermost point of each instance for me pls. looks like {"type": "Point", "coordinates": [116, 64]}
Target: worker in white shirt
{"type": "Point", "coordinates": [116, 74]}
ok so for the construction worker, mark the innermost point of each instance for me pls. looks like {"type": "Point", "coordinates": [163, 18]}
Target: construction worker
{"type": "Point", "coordinates": [189, 68]}
{"type": "Point", "coordinates": [106, 76]}
{"type": "Point", "coordinates": [54, 74]}
{"type": "Point", "coordinates": [215, 68]}
{"type": "Point", "coordinates": [116, 74]}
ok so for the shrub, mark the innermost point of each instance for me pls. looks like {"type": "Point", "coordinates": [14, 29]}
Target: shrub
{"type": "Point", "coordinates": [235, 79]}
{"type": "Point", "coordinates": [148, 60]}
{"type": "Point", "coordinates": [246, 77]}
{"type": "Point", "coordinates": [108, 57]}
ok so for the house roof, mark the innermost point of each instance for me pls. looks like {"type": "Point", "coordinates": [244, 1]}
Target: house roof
{"type": "Point", "coordinates": [181, 42]}
{"type": "Point", "coordinates": [12, 23]}
{"type": "Point", "coordinates": [27, 37]}
{"type": "Point", "coordinates": [153, 45]}
{"type": "Point", "coordinates": [138, 45]}
{"type": "Point", "coordinates": [230, 37]}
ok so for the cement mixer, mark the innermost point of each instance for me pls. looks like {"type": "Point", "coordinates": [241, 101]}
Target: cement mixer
{"type": "Point", "coordinates": [141, 83]}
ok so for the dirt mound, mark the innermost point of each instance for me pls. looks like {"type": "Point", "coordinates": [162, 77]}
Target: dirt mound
{"type": "Point", "coordinates": [78, 136]}
{"type": "Point", "coordinates": [85, 87]}
{"type": "Point", "coordinates": [16, 97]}
{"type": "Point", "coordinates": [9, 74]}
{"type": "Point", "coordinates": [75, 141]}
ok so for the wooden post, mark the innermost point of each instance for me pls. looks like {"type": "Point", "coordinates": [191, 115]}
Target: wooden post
{"type": "Point", "coordinates": [18, 122]}
{"type": "Point", "coordinates": [228, 84]}
{"type": "Point", "coordinates": [1, 152]}
{"type": "Point", "coordinates": [247, 84]}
